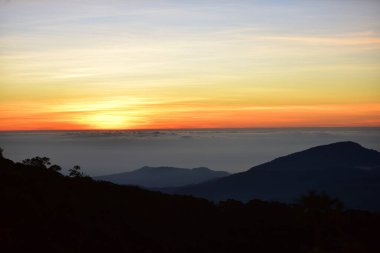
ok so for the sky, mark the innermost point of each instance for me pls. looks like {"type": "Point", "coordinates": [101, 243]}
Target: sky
{"type": "Point", "coordinates": [124, 64]}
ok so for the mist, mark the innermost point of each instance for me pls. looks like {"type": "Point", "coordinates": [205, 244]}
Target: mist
{"type": "Point", "coordinates": [232, 150]}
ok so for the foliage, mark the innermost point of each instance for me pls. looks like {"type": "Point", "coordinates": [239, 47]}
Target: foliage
{"type": "Point", "coordinates": [37, 161]}
{"type": "Point", "coordinates": [41, 162]}
{"type": "Point", "coordinates": [313, 201]}
{"type": "Point", "coordinates": [55, 167]}
{"type": "Point", "coordinates": [75, 172]}
{"type": "Point", "coordinates": [43, 211]}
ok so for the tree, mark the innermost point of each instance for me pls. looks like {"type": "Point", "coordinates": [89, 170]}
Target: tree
{"type": "Point", "coordinates": [75, 172]}
{"type": "Point", "coordinates": [319, 202]}
{"type": "Point", "coordinates": [55, 168]}
{"type": "Point", "coordinates": [41, 162]}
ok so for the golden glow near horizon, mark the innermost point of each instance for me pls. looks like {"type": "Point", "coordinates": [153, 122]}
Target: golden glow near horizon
{"type": "Point", "coordinates": [180, 64]}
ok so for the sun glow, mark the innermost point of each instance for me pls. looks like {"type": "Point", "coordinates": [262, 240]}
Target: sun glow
{"type": "Point", "coordinates": [109, 113]}
{"type": "Point", "coordinates": [105, 121]}
{"type": "Point", "coordinates": [138, 65]}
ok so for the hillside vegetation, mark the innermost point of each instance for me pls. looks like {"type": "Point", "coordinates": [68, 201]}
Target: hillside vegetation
{"type": "Point", "coordinates": [44, 211]}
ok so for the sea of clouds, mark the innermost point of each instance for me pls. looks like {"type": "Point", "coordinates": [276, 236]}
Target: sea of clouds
{"type": "Point", "coordinates": [106, 152]}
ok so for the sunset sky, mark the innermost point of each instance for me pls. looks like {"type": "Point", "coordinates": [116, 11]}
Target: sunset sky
{"type": "Point", "coordinates": [123, 64]}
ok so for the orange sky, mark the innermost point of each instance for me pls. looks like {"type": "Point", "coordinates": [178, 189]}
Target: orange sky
{"type": "Point", "coordinates": [185, 116]}
{"type": "Point", "coordinates": [158, 65]}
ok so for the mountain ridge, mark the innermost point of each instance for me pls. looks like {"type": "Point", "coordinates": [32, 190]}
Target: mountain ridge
{"type": "Point", "coordinates": [336, 169]}
{"type": "Point", "coordinates": [345, 153]}
{"type": "Point", "coordinates": [163, 176]}
{"type": "Point", "coordinates": [45, 211]}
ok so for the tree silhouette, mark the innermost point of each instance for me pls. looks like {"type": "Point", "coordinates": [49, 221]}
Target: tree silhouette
{"type": "Point", "coordinates": [41, 162]}
{"type": "Point", "coordinates": [46, 212]}
{"type": "Point", "coordinates": [75, 172]}
{"type": "Point", "coordinates": [315, 202]}
{"type": "Point", "coordinates": [55, 168]}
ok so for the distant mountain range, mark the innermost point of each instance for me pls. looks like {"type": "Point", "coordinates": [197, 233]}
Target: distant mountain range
{"type": "Point", "coordinates": [345, 170]}
{"type": "Point", "coordinates": [45, 211]}
{"type": "Point", "coordinates": [159, 177]}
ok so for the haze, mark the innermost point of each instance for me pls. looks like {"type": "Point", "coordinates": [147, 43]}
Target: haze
{"type": "Point", "coordinates": [107, 152]}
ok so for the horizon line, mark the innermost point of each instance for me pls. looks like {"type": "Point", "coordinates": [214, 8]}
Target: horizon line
{"type": "Point", "coordinates": [186, 129]}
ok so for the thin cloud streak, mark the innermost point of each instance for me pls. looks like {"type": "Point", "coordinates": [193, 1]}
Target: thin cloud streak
{"type": "Point", "coordinates": [334, 41]}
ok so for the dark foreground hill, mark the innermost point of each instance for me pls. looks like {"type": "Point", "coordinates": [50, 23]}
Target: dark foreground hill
{"type": "Point", "coordinates": [44, 211]}
{"type": "Point", "coordinates": [157, 177]}
{"type": "Point", "coordinates": [345, 170]}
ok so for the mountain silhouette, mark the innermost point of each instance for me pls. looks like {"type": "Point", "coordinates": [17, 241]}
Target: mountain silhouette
{"type": "Point", "coordinates": [345, 170]}
{"type": "Point", "coordinates": [45, 211]}
{"type": "Point", "coordinates": [158, 177]}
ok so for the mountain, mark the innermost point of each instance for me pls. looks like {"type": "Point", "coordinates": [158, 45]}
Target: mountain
{"type": "Point", "coordinates": [45, 211]}
{"type": "Point", "coordinates": [159, 177]}
{"type": "Point", "coordinates": [345, 170]}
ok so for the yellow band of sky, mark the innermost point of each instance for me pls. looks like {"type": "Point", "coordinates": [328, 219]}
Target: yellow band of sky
{"type": "Point", "coordinates": [210, 64]}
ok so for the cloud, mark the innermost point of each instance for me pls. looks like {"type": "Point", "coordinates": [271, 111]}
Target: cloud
{"type": "Point", "coordinates": [331, 41]}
